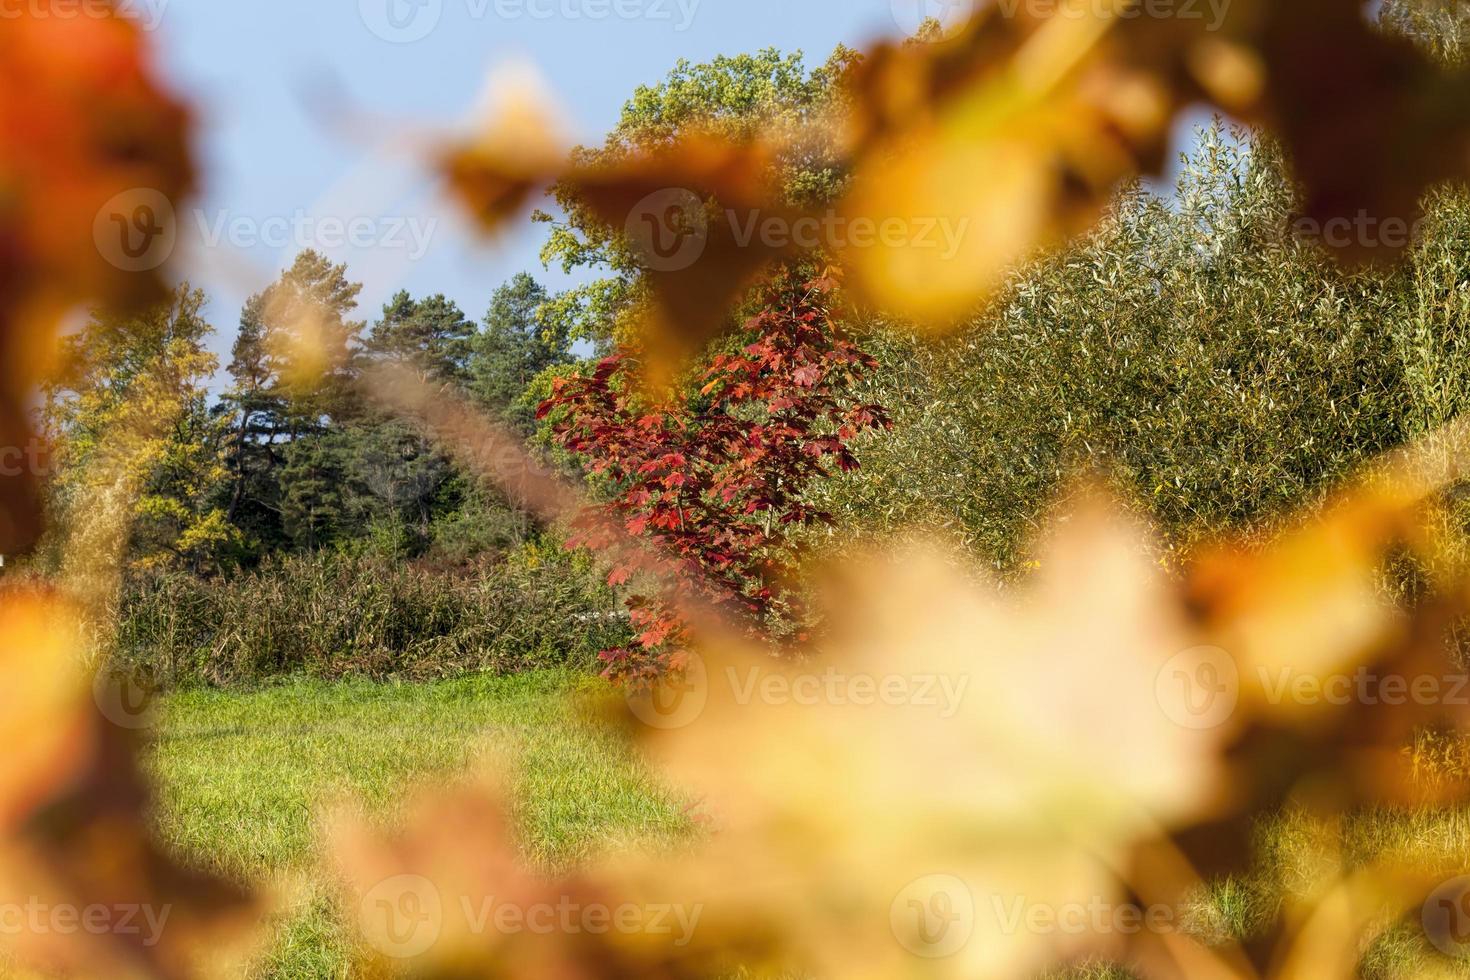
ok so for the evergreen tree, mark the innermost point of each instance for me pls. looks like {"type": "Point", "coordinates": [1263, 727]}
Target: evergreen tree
{"type": "Point", "coordinates": [516, 344]}
{"type": "Point", "coordinates": [313, 479]}
{"type": "Point", "coordinates": [312, 343]}
{"type": "Point", "coordinates": [432, 334]}
{"type": "Point", "coordinates": [257, 414]}
{"type": "Point", "coordinates": [275, 399]}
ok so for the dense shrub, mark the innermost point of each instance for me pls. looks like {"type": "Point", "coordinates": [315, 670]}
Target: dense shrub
{"type": "Point", "coordinates": [334, 614]}
{"type": "Point", "coordinates": [715, 481]}
{"type": "Point", "coordinates": [1217, 369]}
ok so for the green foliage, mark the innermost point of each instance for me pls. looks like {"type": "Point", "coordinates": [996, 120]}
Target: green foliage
{"type": "Point", "coordinates": [243, 775]}
{"type": "Point", "coordinates": [523, 335]}
{"type": "Point", "coordinates": [393, 473]}
{"type": "Point", "coordinates": [480, 525]}
{"type": "Point", "coordinates": [312, 479]}
{"type": "Point", "coordinates": [131, 404]}
{"type": "Point", "coordinates": [1441, 27]}
{"type": "Point", "coordinates": [330, 614]}
{"type": "Point", "coordinates": [432, 334]}
{"type": "Point", "coordinates": [765, 94]}
{"type": "Point", "coordinates": [256, 412]}
{"type": "Point", "coordinates": [269, 409]}
{"type": "Point", "coordinates": [314, 298]}
{"type": "Point", "coordinates": [1221, 372]}
{"type": "Point", "coordinates": [1432, 315]}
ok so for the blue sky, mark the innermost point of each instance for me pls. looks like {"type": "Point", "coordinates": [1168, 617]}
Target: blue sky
{"type": "Point", "coordinates": [312, 115]}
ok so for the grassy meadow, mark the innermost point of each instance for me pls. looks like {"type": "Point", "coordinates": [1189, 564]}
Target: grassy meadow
{"type": "Point", "coordinates": [243, 775]}
{"type": "Point", "coordinates": [242, 778]}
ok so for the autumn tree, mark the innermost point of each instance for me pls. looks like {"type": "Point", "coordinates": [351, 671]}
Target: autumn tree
{"type": "Point", "coordinates": [764, 94]}
{"type": "Point", "coordinates": [715, 472]}
{"type": "Point", "coordinates": [714, 483]}
{"type": "Point", "coordinates": [117, 367]}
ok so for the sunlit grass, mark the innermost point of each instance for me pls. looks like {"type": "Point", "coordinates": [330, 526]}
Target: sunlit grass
{"type": "Point", "coordinates": [242, 778]}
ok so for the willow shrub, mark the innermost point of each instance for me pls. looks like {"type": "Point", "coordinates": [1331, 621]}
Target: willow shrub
{"type": "Point", "coordinates": [332, 614]}
{"type": "Point", "coordinates": [1215, 367]}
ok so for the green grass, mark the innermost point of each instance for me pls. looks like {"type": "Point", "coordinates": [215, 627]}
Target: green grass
{"type": "Point", "coordinates": [242, 778]}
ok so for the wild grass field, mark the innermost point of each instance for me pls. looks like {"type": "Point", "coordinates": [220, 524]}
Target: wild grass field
{"type": "Point", "coordinates": [243, 777]}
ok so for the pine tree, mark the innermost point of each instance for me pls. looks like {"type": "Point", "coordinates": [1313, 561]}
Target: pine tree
{"type": "Point", "coordinates": [431, 334]}
{"type": "Point", "coordinates": [517, 343]}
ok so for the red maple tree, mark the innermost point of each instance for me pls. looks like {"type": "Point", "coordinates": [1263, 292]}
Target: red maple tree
{"type": "Point", "coordinates": [713, 481]}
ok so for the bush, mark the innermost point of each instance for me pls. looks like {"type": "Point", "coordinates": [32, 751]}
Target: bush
{"type": "Point", "coordinates": [1218, 371]}
{"type": "Point", "coordinates": [331, 615]}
